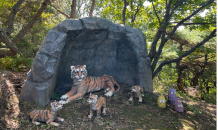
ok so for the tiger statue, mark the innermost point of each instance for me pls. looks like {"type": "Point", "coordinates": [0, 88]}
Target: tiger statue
{"type": "Point", "coordinates": [136, 91]}
{"type": "Point", "coordinates": [48, 116]}
{"type": "Point", "coordinates": [96, 104]}
{"type": "Point", "coordinates": [83, 84]}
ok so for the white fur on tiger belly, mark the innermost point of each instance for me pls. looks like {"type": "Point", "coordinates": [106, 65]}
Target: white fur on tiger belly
{"type": "Point", "coordinates": [108, 94]}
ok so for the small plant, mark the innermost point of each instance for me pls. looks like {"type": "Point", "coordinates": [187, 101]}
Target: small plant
{"type": "Point", "coordinates": [149, 114]}
{"type": "Point", "coordinates": [37, 104]}
{"type": "Point", "coordinates": [175, 124]}
{"type": "Point", "coordinates": [75, 112]}
{"type": "Point", "coordinates": [108, 122]}
{"type": "Point", "coordinates": [43, 126]}
{"type": "Point", "coordinates": [16, 63]}
{"type": "Point", "coordinates": [27, 121]}
{"type": "Point", "coordinates": [84, 100]}
{"type": "Point", "coordinates": [55, 96]}
{"type": "Point", "coordinates": [194, 110]}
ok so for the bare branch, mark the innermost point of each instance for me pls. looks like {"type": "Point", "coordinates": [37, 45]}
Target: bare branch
{"type": "Point", "coordinates": [8, 42]}
{"type": "Point", "coordinates": [176, 6]}
{"type": "Point", "coordinates": [194, 23]}
{"type": "Point", "coordinates": [164, 40]}
{"type": "Point", "coordinates": [156, 13]}
{"type": "Point", "coordinates": [27, 28]}
{"type": "Point", "coordinates": [166, 22]}
{"type": "Point", "coordinates": [187, 18]}
{"type": "Point", "coordinates": [212, 34]}
{"type": "Point", "coordinates": [14, 11]}
{"type": "Point", "coordinates": [59, 11]}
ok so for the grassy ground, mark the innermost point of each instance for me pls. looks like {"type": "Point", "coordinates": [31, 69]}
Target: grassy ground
{"type": "Point", "coordinates": [121, 114]}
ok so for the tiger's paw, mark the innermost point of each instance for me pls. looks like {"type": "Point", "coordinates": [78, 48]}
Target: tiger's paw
{"type": "Point", "coordinates": [64, 97]}
{"type": "Point", "coordinates": [98, 117]}
{"type": "Point", "coordinates": [37, 123]}
{"type": "Point", "coordinates": [106, 90]}
{"type": "Point", "coordinates": [63, 102]}
{"type": "Point", "coordinates": [140, 100]}
{"type": "Point", "coordinates": [108, 94]}
{"type": "Point", "coordinates": [89, 116]}
{"type": "Point", "coordinates": [57, 124]}
{"type": "Point", "coordinates": [130, 99]}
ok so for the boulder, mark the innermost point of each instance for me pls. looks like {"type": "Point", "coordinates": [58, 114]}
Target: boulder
{"type": "Point", "coordinates": [104, 47]}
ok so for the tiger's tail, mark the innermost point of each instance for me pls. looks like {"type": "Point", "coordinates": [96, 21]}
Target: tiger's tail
{"type": "Point", "coordinates": [115, 83]}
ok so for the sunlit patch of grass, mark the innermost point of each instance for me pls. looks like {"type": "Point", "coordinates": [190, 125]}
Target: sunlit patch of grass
{"type": "Point", "coordinates": [13, 107]}
{"type": "Point", "coordinates": [187, 125]}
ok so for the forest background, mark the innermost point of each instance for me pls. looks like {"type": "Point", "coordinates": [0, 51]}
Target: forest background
{"type": "Point", "coordinates": [180, 35]}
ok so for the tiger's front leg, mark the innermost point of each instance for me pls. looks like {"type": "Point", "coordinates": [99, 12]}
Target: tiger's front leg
{"type": "Point", "coordinates": [73, 98]}
{"type": "Point", "coordinates": [98, 113]}
{"type": "Point", "coordinates": [65, 97]}
{"type": "Point", "coordinates": [131, 97]}
{"type": "Point", "coordinates": [36, 123]}
{"type": "Point", "coordinates": [91, 112]}
{"type": "Point", "coordinates": [50, 121]}
{"type": "Point", "coordinates": [60, 119]}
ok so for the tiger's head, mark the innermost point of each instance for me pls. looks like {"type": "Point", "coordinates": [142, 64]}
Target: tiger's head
{"type": "Point", "coordinates": [136, 89]}
{"type": "Point", "coordinates": [56, 106]}
{"type": "Point", "coordinates": [92, 99]}
{"type": "Point", "coordinates": [78, 72]}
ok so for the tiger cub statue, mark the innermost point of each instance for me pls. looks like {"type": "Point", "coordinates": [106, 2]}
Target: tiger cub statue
{"type": "Point", "coordinates": [96, 104]}
{"type": "Point", "coordinates": [83, 84]}
{"type": "Point", "coordinates": [48, 116]}
{"type": "Point", "coordinates": [136, 91]}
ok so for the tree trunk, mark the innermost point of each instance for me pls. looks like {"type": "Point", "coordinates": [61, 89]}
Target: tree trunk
{"type": "Point", "coordinates": [73, 9]}
{"type": "Point", "coordinates": [195, 79]}
{"type": "Point", "coordinates": [198, 74]}
{"type": "Point", "coordinates": [124, 12]}
{"type": "Point", "coordinates": [92, 8]}
{"type": "Point", "coordinates": [180, 76]}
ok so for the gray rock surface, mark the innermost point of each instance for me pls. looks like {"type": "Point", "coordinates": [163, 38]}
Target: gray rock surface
{"type": "Point", "coordinates": [104, 47]}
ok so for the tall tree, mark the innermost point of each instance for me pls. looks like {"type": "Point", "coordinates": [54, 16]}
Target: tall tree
{"type": "Point", "coordinates": [160, 16]}
{"type": "Point", "coordinates": [5, 33]}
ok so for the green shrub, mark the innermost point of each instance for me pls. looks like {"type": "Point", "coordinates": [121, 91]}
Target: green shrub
{"type": "Point", "coordinates": [16, 63]}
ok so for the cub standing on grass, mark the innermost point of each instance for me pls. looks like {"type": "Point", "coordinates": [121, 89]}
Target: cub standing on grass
{"type": "Point", "coordinates": [96, 104]}
{"type": "Point", "coordinates": [136, 91]}
{"type": "Point", "coordinates": [48, 116]}
{"type": "Point", "coordinates": [83, 84]}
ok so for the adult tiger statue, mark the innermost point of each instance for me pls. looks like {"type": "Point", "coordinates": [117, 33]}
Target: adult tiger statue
{"type": "Point", "coordinates": [83, 84]}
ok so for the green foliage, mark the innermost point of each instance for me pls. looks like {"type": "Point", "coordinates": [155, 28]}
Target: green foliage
{"type": "Point", "coordinates": [193, 109]}
{"type": "Point", "coordinates": [16, 63]}
{"type": "Point", "coordinates": [55, 96]}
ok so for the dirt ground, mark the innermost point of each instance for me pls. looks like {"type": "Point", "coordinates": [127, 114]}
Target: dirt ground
{"type": "Point", "coordinates": [121, 114]}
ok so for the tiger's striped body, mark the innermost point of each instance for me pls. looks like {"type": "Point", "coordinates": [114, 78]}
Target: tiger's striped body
{"type": "Point", "coordinates": [48, 116]}
{"type": "Point", "coordinates": [96, 104]}
{"type": "Point", "coordinates": [83, 84]}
